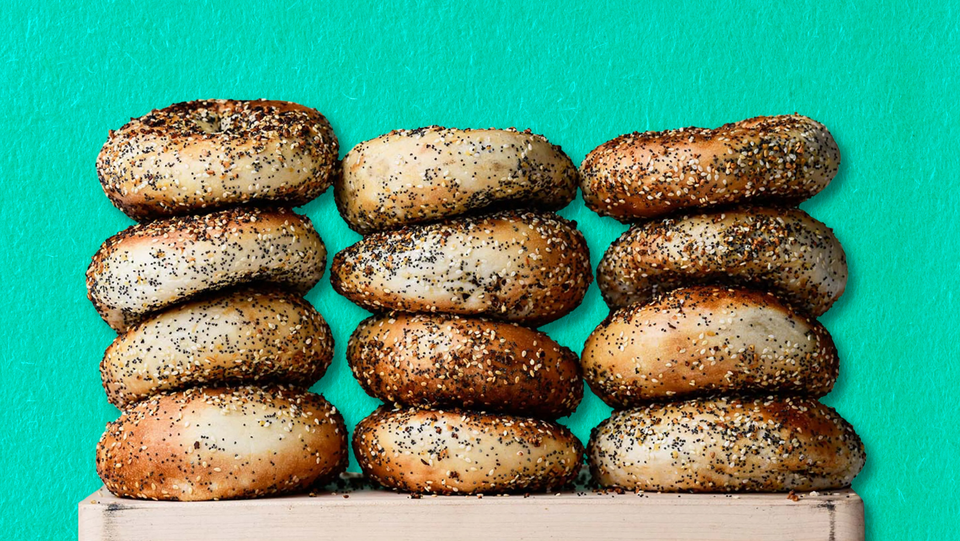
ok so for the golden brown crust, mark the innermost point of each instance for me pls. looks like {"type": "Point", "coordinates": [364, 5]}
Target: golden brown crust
{"type": "Point", "coordinates": [461, 452]}
{"type": "Point", "coordinates": [726, 445]}
{"type": "Point", "coordinates": [252, 335]}
{"type": "Point", "coordinates": [444, 360]}
{"type": "Point", "coordinates": [785, 158]}
{"type": "Point", "coordinates": [526, 267]}
{"type": "Point", "coordinates": [209, 444]}
{"type": "Point", "coordinates": [203, 155]}
{"type": "Point", "coordinates": [413, 176]}
{"type": "Point", "coordinates": [154, 265]}
{"type": "Point", "coordinates": [783, 251]}
{"type": "Point", "coordinates": [708, 340]}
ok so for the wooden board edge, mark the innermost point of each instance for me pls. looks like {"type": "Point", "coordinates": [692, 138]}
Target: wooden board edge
{"type": "Point", "coordinates": [371, 514]}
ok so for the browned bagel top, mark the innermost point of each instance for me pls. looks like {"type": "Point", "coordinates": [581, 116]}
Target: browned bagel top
{"type": "Point", "coordinates": [226, 121]}
{"type": "Point", "coordinates": [208, 154]}
{"type": "Point", "coordinates": [785, 158]}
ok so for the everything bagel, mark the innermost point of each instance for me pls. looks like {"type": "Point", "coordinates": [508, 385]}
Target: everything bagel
{"type": "Point", "coordinates": [726, 445]}
{"type": "Point", "coordinates": [150, 266]}
{"type": "Point", "coordinates": [413, 176]}
{"type": "Point", "coordinates": [245, 336]}
{"type": "Point", "coordinates": [440, 360]}
{"type": "Point", "coordinates": [202, 155]}
{"type": "Point", "coordinates": [212, 444]}
{"type": "Point", "coordinates": [461, 452]}
{"type": "Point", "coordinates": [707, 340]}
{"type": "Point", "coordinates": [525, 267]}
{"type": "Point", "coordinates": [783, 251]}
{"type": "Point", "coordinates": [773, 159]}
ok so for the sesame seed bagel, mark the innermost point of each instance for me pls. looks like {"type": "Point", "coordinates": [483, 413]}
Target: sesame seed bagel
{"type": "Point", "coordinates": [643, 175]}
{"type": "Point", "coordinates": [209, 154]}
{"type": "Point", "coordinates": [414, 176]}
{"type": "Point", "coordinates": [707, 340]}
{"type": "Point", "coordinates": [526, 267]}
{"type": "Point", "coordinates": [783, 251]}
{"type": "Point", "coordinates": [247, 336]}
{"type": "Point", "coordinates": [440, 360]}
{"type": "Point", "coordinates": [726, 445]}
{"type": "Point", "coordinates": [212, 444]}
{"type": "Point", "coordinates": [461, 452]}
{"type": "Point", "coordinates": [151, 266]}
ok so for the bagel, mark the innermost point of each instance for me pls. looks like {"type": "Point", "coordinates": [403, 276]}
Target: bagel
{"type": "Point", "coordinates": [414, 176]}
{"type": "Point", "coordinates": [440, 360]}
{"type": "Point", "coordinates": [786, 158]}
{"type": "Point", "coordinates": [247, 336]}
{"type": "Point", "coordinates": [151, 266]}
{"type": "Point", "coordinates": [783, 251]}
{"type": "Point", "coordinates": [203, 155]}
{"type": "Point", "coordinates": [460, 452]}
{"type": "Point", "coordinates": [726, 445]}
{"type": "Point", "coordinates": [525, 267]}
{"type": "Point", "coordinates": [707, 340]}
{"type": "Point", "coordinates": [212, 444]}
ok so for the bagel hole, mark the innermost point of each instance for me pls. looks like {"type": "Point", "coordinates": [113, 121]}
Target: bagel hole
{"type": "Point", "coordinates": [208, 121]}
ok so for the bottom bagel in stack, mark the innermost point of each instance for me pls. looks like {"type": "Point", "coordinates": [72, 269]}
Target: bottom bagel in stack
{"type": "Point", "coordinates": [219, 443]}
{"type": "Point", "coordinates": [433, 366]}
{"type": "Point", "coordinates": [716, 390]}
{"type": "Point", "coordinates": [465, 452]}
{"type": "Point", "coordinates": [215, 401]}
{"type": "Point", "coordinates": [766, 444]}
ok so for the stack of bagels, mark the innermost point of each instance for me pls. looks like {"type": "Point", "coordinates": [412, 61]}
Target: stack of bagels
{"type": "Point", "coordinates": [216, 346]}
{"type": "Point", "coordinates": [712, 356]}
{"type": "Point", "coordinates": [461, 259]}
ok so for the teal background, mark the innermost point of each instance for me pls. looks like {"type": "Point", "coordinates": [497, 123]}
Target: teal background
{"type": "Point", "coordinates": [881, 75]}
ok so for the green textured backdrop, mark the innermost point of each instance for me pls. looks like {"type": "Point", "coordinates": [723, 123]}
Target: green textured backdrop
{"type": "Point", "coordinates": [882, 76]}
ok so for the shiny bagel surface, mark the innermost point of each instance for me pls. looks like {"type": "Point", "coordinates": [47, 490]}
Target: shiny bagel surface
{"type": "Point", "coordinates": [413, 176]}
{"type": "Point", "coordinates": [251, 335]}
{"type": "Point", "coordinates": [726, 445]}
{"type": "Point", "coordinates": [526, 267]}
{"type": "Point", "coordinates": [783, 251]}
{"type": "Point", "coordinates": [785, 158]}
{"type": "Point", "coordinates": [215, 443]}
{"type": "Point", "coordinates": [203, 155]}
{"type": "Point", "coordinates": [440, 360]}
{"type": "Point", "coordinates": [463, 452]}
{"type": "Point", "coordinates": [151, 266]}
{"type": "Point", "coordinates": [707, 340]}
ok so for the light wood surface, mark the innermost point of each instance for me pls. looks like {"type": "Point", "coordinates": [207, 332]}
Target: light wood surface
{"type": "Point", "coordinates": [370, 514]}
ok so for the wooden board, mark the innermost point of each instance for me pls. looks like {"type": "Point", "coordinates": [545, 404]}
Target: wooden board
{"type": "Point", "coordinates": [367, 514]}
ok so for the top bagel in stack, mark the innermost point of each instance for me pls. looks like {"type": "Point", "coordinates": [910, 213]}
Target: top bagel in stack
{"type": "Point", "coordinates": [780, 159]}
{"type": "Point", "coordinates": [414, 176]}
{"type": "Point", "coordinates": [209, 154]}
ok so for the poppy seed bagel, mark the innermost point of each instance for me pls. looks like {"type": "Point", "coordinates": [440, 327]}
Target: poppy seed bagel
{"type": "Point", "coordinates": [708, 340]}
{"type": "Point", "coordinates": [786, 158]}
{"type": "Point", "coordinates": [199, 156]}
{"type": "Point", "coordinates": [526, 267]}
{"type": "Point", "coordinates": [726, 445]}
{"type": "Point", "coordinates": [783, 251]}
{"type": "Point", "coordinates": [464, 452]}
{"type": "Point", "coordinates": [211, 444]}
{"type": "Point", "coordinates": [414, 176]}
{"type": "Point", "coordinates": [151, 266]}
{"type": "Point", "coordinates": [441, 360]}
{"type": "Point", "coordinates": [251, 335]}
